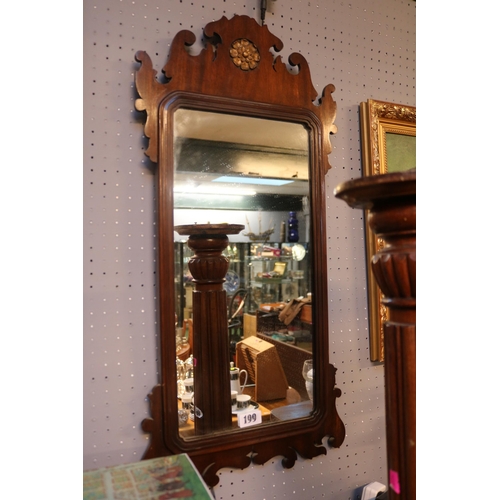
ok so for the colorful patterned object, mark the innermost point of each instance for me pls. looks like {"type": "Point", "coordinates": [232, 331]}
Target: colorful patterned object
{"type": "Point", "coordinates": [156, 479]}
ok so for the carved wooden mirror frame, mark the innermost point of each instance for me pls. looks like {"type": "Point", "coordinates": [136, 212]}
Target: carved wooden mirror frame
{"type": "Point", "coordinates": [217, 80]}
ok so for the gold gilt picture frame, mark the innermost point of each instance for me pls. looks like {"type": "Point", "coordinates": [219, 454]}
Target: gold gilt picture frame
{"type": "Point", "coordinates": [280, 268]}
{"type": "Point", "coordinates": [388, 144]}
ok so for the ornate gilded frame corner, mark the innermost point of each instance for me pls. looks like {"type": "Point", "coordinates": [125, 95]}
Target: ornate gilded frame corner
{"type": "Point", "coordinates": [377, 118]}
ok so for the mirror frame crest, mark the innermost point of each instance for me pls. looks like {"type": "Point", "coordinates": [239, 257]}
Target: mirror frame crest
{"type": "Point", "coordinates": [219, 79]}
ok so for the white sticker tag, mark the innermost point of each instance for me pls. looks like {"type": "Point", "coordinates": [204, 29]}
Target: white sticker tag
{"type": "Point", "coordinates": [249, 417]}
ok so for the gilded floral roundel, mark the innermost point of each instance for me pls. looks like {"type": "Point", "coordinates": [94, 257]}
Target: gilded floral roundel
{"type": "Point", "coordinates": [244, 54]}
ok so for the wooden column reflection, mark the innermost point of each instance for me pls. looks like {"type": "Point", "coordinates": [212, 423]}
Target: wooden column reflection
{"type": "Point", "coordinates": [390, 201]}
{"type": "Point", "coordinates": [212, 394]}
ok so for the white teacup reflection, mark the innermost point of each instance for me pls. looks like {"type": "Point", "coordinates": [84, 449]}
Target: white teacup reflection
{"type": "Point", "coordinates": [188, 385]}
{"type": "Point", "coordinates": [242, 401]}
{"type": "Point", "coordinates": [187, 400]}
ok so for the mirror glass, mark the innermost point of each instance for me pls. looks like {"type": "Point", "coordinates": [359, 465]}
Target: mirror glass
{"type": "Point", "coordinates": [255, 172]}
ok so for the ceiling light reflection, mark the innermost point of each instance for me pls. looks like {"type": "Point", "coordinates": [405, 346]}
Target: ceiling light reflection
{"type": "Point", "coordinates": [213, 190]}
{"type": "Point", "coordinates": [252, 180]}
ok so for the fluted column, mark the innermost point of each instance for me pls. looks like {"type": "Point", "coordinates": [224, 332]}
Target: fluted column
{"type": "Point", "coordinates": [212, 394]}
{"type": "Point", "coordinates": [390, 201]}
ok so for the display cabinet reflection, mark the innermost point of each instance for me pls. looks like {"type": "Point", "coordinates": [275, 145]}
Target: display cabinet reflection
{"type": "Point", "coordinates": [255, 173]}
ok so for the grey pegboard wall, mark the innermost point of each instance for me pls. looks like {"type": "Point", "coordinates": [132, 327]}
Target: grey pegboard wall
{"type": "Point", "coordinates": [367, 50]}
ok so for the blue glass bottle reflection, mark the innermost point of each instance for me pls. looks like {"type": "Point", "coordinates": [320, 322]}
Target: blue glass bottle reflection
{"type": "Point", "coordinates": [293, 228]}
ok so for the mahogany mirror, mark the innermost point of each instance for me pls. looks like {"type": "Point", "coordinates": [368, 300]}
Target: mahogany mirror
{"type": "Point", "coordinates": [241, 140]}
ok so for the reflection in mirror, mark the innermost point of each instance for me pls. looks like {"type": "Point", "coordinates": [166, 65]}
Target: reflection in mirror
{"type": "Point", "coordinates": [255, 172]}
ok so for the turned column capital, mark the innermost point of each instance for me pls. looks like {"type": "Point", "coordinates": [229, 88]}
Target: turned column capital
{"type": "Point", "coordinates": [208, 266]}
{"type": "Point", "coordinates": [390, 201]}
